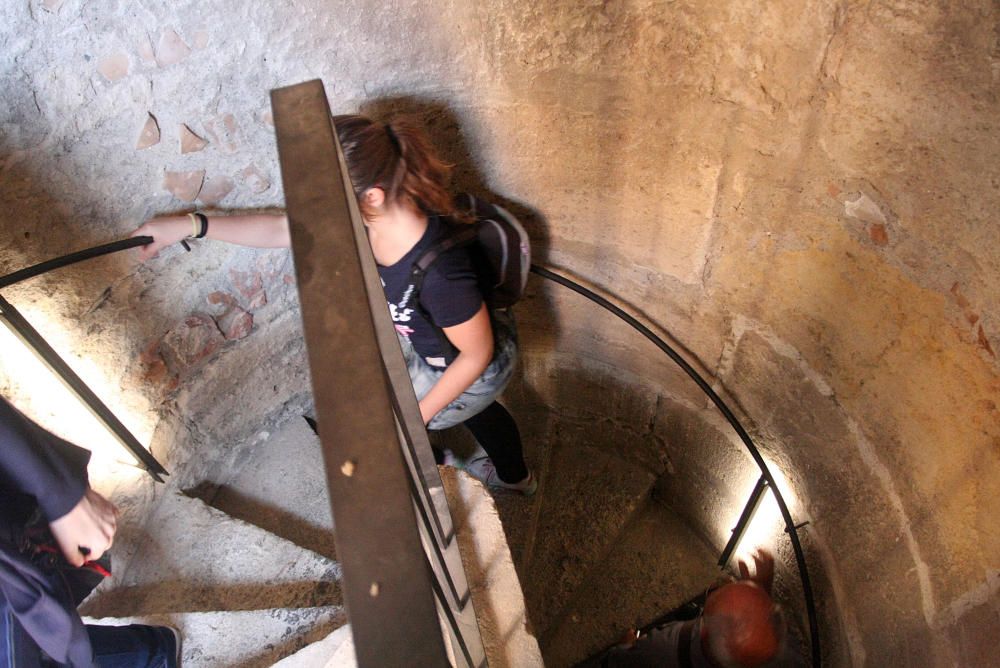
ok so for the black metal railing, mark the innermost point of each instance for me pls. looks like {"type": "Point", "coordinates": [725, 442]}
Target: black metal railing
{"type": "Point", "coordinates": [35, 342]}
{"type": "Point", "coordinates": [766, 479]}
{"type": "Point", "coordinates": [406, 591]}
{"type": "Point", "coordinates": [407, 594]}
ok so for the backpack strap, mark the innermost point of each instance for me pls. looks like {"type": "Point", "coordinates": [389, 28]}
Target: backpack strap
{"type": "Point", "coordinates": [455, 239]}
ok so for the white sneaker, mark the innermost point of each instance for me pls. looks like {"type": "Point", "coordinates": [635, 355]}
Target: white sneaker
{"type": "Point", "coordinates": [480, 467]}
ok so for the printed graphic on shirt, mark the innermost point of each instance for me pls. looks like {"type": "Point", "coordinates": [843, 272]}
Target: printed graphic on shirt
{"type": "Point", "coordinates": [400, 313]}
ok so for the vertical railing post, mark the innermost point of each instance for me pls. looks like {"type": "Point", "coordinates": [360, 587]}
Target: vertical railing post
{"type": "Point", "coordinates": [749, 510]}
{"type": "Point", "coordinates": [28, 335]}
{"type": "Point", "coordinates": [388, 582]}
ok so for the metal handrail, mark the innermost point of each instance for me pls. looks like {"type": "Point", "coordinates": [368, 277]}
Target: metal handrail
{"type": "Point", "coordinates": [790, 527]}
{"type": "Point", "coordinates": [425, 510]}
{"type": "Point", "coordinates": [400, 561]}
{"type": "Point", "coordinates": [31, 338]}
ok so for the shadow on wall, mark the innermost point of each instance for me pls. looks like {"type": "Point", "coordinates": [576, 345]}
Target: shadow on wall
{"type": "Point", "coordinates": [73, 307]}
{"type": "Point", "coordinates": [40, 224]}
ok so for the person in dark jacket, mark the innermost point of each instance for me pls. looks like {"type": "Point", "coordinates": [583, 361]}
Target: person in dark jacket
{"type": "Point", "coordinates": [45, 497]}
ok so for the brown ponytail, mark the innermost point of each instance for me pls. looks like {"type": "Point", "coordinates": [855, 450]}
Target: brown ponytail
{"type": "Point", "coordinates": [398, 157]}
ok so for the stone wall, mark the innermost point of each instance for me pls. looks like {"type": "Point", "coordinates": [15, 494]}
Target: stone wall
{"type": "Point", "coordinates": [800, 193]}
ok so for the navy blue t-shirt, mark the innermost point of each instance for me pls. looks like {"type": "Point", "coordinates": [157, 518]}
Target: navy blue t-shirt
{"type": "Point", "coordinates": [450, 294]}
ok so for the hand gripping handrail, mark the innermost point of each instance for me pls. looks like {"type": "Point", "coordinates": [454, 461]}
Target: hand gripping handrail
{"type": "Point", "coordinates": [790, 526]}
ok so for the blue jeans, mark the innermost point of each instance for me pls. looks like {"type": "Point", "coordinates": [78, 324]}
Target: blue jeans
{"type": "Point", "coordinates": [483, 391]}
{"type": "Point", "coordinates": [134, 646]}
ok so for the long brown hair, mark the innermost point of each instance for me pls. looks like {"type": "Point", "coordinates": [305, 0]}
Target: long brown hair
{"type": "Point", "coordinates": [396, 156]}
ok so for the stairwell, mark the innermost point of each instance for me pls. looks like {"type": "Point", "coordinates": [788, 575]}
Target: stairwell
{"type": "Point", "coordinates": [244, 565]}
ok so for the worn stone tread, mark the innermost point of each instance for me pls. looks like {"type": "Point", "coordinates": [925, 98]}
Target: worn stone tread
{"type": "Point", "coordinates": [657, 563]}
{"type": "Point", "coordinates": [334, 651]}
{"type": "Point", "coordinates": [242, 639]}
{"type": "Point", "coordinates": [589, 495]}
{"type": "Point", "coordinates": [195, 558]}
{"type": "Point", "coordinates": [281, 486]}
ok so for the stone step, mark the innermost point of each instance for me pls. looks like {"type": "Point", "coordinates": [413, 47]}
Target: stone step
{"type": "Point", "coordinates": [493, 585]}
{"type": "Point", "coordinates": [656, 564]}
{"type": "Point", "coordinates": [334, 651]}
{"type": "Point", "coordinates": [279, 484]}
{"type": "Point", "coordinates": [195, 558]}
{"type": "Point", "coordinates": [589, 495]}
{"type": "Point", "coordinates": [242, 639]}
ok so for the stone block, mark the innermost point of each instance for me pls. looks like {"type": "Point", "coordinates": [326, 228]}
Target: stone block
{"type": "Point", "coordinates": [195, 558]}
{"type": "Point", "coordinates": [334, 651]}
{"type": "Point", "coordinates": [657, 563]}
{"type": "Point", "coordinates": [215, 190]}
{"type": "Point", "coordinates": [190, 142]}
{"type": "Point", "coordinates": [184, 186]}
{"type": "Point", "coordinates": [245, 638]}
{"type": "Point", "coordinates": [588, 495]}
{"type": "Point", "coordinates": [171, 49]}
{"type": "Point", "coordinates": [114, 67]}
{"type": "Point", "coordinates": [150, 133]}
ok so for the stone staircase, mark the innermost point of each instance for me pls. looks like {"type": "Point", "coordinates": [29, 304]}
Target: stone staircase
{"type": "Point", "coordinates": [595, 550]}
{"type": "Point", "coordinates": [240, 595]}
{"type": "Point", "coordinates": [244, 564]}
{"type": "Point", "coordinates": [604, 555]}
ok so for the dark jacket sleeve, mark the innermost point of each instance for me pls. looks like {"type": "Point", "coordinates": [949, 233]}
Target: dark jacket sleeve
{"type": "Point", "coordinates": [40, 464]}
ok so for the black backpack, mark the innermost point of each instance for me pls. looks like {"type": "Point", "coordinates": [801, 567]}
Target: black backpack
{"type": "Point", "coordinates": [498, 247]}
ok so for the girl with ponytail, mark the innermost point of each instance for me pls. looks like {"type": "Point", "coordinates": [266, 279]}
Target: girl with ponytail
{"type": "Point", "coordinates": [401, 188]}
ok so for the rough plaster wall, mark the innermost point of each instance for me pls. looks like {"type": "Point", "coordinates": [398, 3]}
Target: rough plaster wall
{"type": "Point", "coordinates": [802, 193]}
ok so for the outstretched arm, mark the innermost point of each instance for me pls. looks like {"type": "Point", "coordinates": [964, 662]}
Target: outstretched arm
{"type": "Point", "coordinates": [261, 230]}
{"type": "Point", "coordinates": [474, 341]}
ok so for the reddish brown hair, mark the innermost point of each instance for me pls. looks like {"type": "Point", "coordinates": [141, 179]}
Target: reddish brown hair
{"type": "Point", "coordinates": [398, 157]}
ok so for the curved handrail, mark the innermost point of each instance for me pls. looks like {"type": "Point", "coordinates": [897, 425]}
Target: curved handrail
{"type": "Point", "coordinates": [72, 258]}
{"type": "Point", "coordinates": [790, 526]}
{"type": "Point", "coordinates": [37, 343]}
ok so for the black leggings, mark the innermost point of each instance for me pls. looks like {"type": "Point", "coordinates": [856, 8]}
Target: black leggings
{"type": "Point", "coordinates": [497, 432]}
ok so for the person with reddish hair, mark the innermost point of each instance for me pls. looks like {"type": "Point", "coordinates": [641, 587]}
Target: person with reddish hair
{"type": "Point", "coordinates": [740, 627]}
{"type": "Point", "coordinates": [401, 189]}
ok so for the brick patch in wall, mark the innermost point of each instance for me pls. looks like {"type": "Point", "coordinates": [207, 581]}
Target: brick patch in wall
{"type": "Point", "coordinates": [113, 67]}
{"type": "Point", "coordinates": [224, 132]}
{"type": "Point", "coordinates": [250, 285]}
{"type": "Point", "coordinates": [215, 190]}
{"type": "Point", "coordinates": [184, 185]}
{"type": "Point", "coordinates": [190, 142]}
{"type": "Point", "coordinates": [191, 341]}
{"type": "Point", "coordinates": [233, 321]}
{"type": "Point", "coordinates": [150, 133]}
{"type": "Point", "coordinates": [256, 180]}
{"type": "Point", "coordinates": [171, 49]}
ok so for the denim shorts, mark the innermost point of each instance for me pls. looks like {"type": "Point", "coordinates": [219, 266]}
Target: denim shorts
{"type": "Point", "coordinates": [483, 391]}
